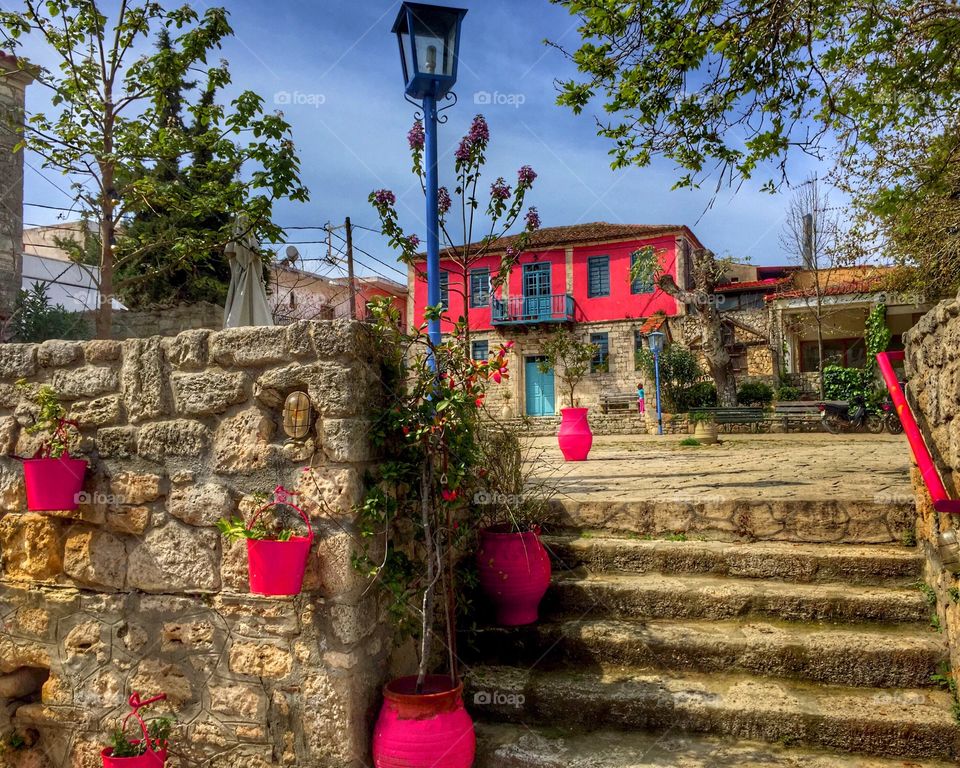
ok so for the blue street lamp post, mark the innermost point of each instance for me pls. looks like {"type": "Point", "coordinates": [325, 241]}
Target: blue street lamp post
{"type": "Point", "coordinates": [429, 37]}
{"type": "Point", "coordinates": [655, 339]}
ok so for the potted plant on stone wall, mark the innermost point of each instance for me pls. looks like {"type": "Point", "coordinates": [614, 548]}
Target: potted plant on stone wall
{"type": "Point", "coordinates": [146, 748]}
{"type": "Point", "coordinates": [53, 478]}
{"type": "Point", "coordinates": [276, 555]}
{"type": "Point", "coordinates": [415, 523]}
{"type": "Point", "coordinates": [570, 358]}
{"type": "Point", "coordinates": [704, 427]}
{"type": "Point", "coordinates": [513, 504]}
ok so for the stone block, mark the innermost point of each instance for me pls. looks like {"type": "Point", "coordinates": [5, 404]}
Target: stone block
{"type": "Point", "coordinates": [116, 442]}
{"type": "Point", "coordinates": [260, 660]}
{"type": "Point", "coordinates": [127, 519]}
{"type": "Point", "coordinates": [324, 490]}
{"type": "Point", "coordinates": [32, 547]}
{"type": "Point", "coordinates": [345, 440]}
{"type": "Point", "coordinates": [242, 441]}
{"type": "Point", "coordinates": [172, 679]}
{"type": "Point", "coordinates": [188, 350]}
{"type": "Point", "coordinates": [13, 493]}
{"type": "Point", "coordinates": [207, 392]}
{"type": "Point", "coordinates": [179, 437]}
{"type": "Point", "coordinates": [88, 381]}
{"type": "Point", "coordinates": [136, 487]}
{"type": "Point", "coordinates": [95, 558]}
{"type": "Point", "coordinates": [201, 504]}
{"type": "Point", "coordinates": [175, 558]}
{"type": "Point", "coordinates": [56, 353]}
{"type": "Point", "coordinates": [249, 347]}
{"type": "Point", "coordinates": [143, 379]}
{"type": "Point", "coordinates": [102, 350]}
{"type": "Point", "coordinates": [17, 360]}
{"type": "Point", "coordinates": [239, 703]}
{"type": "Point", "coordinates": [101, 411]}
{"type": "Point", "coordinates": [9, 430]}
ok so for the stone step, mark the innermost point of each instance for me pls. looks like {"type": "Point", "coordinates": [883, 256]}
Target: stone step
{"type": "Point", "coordinates": [889, 723]}
{"type": "Point", "coordinates": [714, 516]}
{"type": "Point", "coordinates": [511, 746]}
{"type": "Point", "coordinates": [868, 656]}
{"type": "Point", "coordinates": [863, 564]}
{"type": "Point", "coordinates": [655, 596]}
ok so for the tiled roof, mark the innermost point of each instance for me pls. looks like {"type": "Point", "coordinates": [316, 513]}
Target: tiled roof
{"type": "Point", "coordinates": [752, 285]}
{"type": "Point", "coordinates": [598, 231]}
{"type": "Point", "coordinates": [653, 323]}
{"type": "Point", "coordinates": [864, 286]}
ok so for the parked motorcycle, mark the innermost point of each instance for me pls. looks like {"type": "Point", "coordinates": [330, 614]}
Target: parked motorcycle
{"type": "Point", "coordinates": [891, 418]}
{"type": "Point", "coordinates": [850, 417]}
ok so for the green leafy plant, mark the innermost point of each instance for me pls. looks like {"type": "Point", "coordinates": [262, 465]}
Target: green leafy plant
{"type": "Point", "coordinates": [158, 728]}
{"type": "Point", "coordinates": [909, 538]}
{"type": "Point", "coordinates": [755, 393]}
{"type": "Point", "coordinates": [570, 357]}
{"type": "Point", "coordinates": [877, 335]}
{"type": "Point", "coordinates": [841, 383]}
{"type": "Point", "coordinates": [690, 442]}
{"type": "Point", "coordinates": [681, 378]}
{"type": "Point", "coordinates": [787, 393]}
{"type": "Point", "coordinates": [50, 418]}
{"type": "Point", "coordinates": [35, 319]}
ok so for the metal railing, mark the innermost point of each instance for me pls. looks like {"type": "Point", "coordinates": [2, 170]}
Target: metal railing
{"type": "Point", "coordinates": [519, 310]}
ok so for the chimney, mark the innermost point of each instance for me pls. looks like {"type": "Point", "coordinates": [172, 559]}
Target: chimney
{"type": "Point", "coordinates": [14, 79]}
{"type": "Point", "coordinates": [808, 260]}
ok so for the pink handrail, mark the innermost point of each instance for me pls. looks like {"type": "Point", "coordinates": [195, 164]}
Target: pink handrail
{"type": "Point", "coordinates": [928, 470]}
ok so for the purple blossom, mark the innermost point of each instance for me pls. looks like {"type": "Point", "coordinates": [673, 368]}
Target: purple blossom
{"type": "Point", "coordinates": [416, 135]}
{"type": "Point", "coordinates": [384, 197]}
{"type": "Point", "coordinates": [510, 252]}
{"type": "Point", "coordinates": [526, 175]}
{"type": "Point", "coordinates": [443, 200]}
{"type": "Point", "coordinates": [479, 132]}
{"type": "Point", "coordinates": [413, 241]}
{"type": "Point", "coordinates": [533, 220]}
{"type": "Point", "coordinates": [500, 190]}
{"type": "Point", "coordinates": [463, 151]}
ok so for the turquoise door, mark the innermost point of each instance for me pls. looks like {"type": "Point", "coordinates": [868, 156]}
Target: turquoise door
{"type": "Point", "coordinates": [539, 389]}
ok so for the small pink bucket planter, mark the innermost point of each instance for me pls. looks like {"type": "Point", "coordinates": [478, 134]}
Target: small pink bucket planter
{"type": "Point", "coordinates": [277, 567]}
{"type": "Point", "coordinates": [53, 484]}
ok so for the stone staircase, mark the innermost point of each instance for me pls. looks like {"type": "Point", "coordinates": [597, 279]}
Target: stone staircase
{"type": "Point", "coordinates": [709, 653]}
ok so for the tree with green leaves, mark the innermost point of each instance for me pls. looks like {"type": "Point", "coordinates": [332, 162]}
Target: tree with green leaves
{"type": "Point", "coordinates": [569, 357]}
{"type": "Point", "coordinates": [106, 131]}
{"type": "Point", "coordinates": [36, 319]}
{"type": "Point", "coordinates": [734, 88]}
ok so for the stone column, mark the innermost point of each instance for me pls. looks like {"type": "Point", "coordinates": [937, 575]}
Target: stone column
{"type": "Point", "coordinates": [13, 82]}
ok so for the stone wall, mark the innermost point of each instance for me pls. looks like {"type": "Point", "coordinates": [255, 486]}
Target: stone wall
{"type": "Point", "coordinates": [933, 375]}
{"type": "Point", "coordinates": [137, 590]}
{"type": "Point", "coordinates": [168, 321]}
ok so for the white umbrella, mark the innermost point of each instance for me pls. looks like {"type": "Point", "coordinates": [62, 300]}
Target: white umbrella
{"type": "Point", "coordinates": [246, 296]}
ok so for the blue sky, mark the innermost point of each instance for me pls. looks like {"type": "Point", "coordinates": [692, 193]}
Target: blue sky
{"type": "Point", "coordinates": [333, 68]}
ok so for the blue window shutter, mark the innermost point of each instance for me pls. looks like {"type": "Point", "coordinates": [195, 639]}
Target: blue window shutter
{"type": "Point", "coordinates": [445, 289]}
{"type": "Point", "coordinates": [479, 287]}
{"type": "Point", "coordinates": [601, 359]}
{"type": "Point", "coordinates": [598, 276]}
{"type": "Point", "coordinates": [480, 350]}
{"type": "Point", "coordinates": [639, 285]}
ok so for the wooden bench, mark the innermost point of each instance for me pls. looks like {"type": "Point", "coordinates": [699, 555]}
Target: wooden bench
{"type": "Point", "coordinates": [797, 412]}
{"type": "Point", "coordinates": [754, 416]}
{"type": "Point", "coordinates": [610, 400]}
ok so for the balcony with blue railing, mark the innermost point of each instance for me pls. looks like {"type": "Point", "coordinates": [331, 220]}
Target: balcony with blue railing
{"type": "Point", "coordinates": [527, 310]}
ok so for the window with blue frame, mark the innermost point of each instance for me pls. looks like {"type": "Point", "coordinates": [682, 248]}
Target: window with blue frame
{"type": "Point", "coordinates": [601, 360]}
{"type": "Point", "coordinates": [598, 276]}
{"type": "Point", "coordinates": [641, 283]}
{"type": "Point", "coordinates": [479, 287]}
{"type": "Point", "coordinates": [444, 289]}
{"type": "Point", "coordinates": [480, 349]}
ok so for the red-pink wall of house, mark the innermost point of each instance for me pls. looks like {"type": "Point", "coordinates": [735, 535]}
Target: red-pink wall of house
{"type": "Point", "coordinates": [367, 293]}
{"type": "Point", "coordinates": [619, 305]}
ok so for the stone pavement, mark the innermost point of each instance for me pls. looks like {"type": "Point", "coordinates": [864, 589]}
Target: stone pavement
{"type": "Point", "coordinates": [803, 466]}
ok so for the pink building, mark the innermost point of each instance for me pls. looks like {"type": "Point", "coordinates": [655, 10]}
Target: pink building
{"type": "Point", "coordinates": [576, 277]}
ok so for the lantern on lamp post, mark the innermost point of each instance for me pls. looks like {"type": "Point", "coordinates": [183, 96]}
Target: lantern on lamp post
{"type": "Point", "coordinates": [655, 340]}
{"type": "Point", "coordinates": [429, 38]}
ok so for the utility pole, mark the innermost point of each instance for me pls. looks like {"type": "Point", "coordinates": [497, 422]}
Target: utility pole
{"type": "Point", "coordinates": [353, 293]}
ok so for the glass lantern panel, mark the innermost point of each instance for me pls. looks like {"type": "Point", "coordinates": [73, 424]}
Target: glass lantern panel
{"type": "Point", "coordinates": [407, 51]}
{"type": "Point", "coordinates": [435, 40]}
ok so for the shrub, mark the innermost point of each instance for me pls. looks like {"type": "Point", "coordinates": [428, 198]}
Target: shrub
{"type": "Point", "coordinates": [690, 442]}
{"type": "Point", "coordinates": [754, 393]}
{"type": "Point", "coordinates": [703, 394]}
{"type": "Point", "coordinates": [786, 392]}
{"type": "Point", "coordinates": [36, 320]}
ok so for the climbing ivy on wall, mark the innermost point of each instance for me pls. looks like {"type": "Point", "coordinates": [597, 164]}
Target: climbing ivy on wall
{"type": "Point", "coordinates": [877, 335]}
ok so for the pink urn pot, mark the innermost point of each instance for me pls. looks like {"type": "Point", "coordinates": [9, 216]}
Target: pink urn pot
{"type": "Point", "coordinates": [575, 437]}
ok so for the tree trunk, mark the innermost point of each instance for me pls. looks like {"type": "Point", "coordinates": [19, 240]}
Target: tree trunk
{"type": "Point", "coordinates": [104, 316]}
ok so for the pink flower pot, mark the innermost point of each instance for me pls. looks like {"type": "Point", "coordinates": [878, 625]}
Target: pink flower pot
{"type": "Point", "coordinates": [575, 437]}
{"type": "Point", "coordinates": [148, 759]}
{"type": "Point", "coordinates": [514, 571]}
{"type": "Point", "coordinates": [277, 567]}
{"type": "Point", "coordinates": [427, 730]}
{"type": "Point", "coordinates": [53, 484]}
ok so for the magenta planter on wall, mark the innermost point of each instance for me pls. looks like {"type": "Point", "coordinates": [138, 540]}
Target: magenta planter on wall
{"type": "Point", "coordinates": [514, 570]}
{"type": "Point", "coordinates": [425, 730]}
{"type": "Point", "coordinates": [278, 567]}
{"type": "Point", "coordinates": [53, 484]}
{"type": "Point", "coordinates": [149, 759]}
{"type": "Point", "coordinates": [575, 437]}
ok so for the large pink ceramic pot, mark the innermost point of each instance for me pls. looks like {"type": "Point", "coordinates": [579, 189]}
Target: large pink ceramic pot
{"type": "Point", "coordinates": [514, 570]}
{"type": "Point", "coordinates": [575, 437]}
{"type": "Point", "coordinates": [426, 730]}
